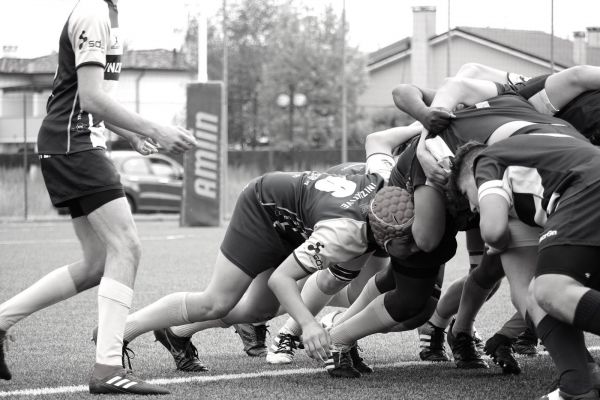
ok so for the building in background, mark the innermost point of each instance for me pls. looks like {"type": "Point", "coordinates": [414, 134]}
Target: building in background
{"type": "Point", "coordinates": [423, 58]}
{"type": "Point", "coordinates": [153, 83]}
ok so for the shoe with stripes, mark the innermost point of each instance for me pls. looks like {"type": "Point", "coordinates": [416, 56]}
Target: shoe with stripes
{"type": "Point", "coordinates": [4, 371]}
{"type": "Point", "coordinates": [182, 349]}
{"type": "Point", "coordinates": [109, 379]}
{"type": "Point", "coordinates": [560, 395]}
{"type": "Point", "coordinates": [431, 340]}
{"type": "Point", "coordinates": [283, 348]}
{"type": "Point", "coordinates": [339, 364]}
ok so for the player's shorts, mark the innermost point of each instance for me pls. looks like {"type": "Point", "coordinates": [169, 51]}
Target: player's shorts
{"type": "Point", "coordinates": [80, 174]}
{"type": "Point", "coordinates": [578, 262]}
{"type": "Point", "coordinates": [521, 234]}
{"type": "Point", "coordinates": [251, 242]}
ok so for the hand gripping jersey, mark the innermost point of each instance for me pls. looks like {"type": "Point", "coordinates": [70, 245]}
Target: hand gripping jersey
{"type": "Point", "coordinates": [324, 213]}
{"type": "Point", "coordinates": [493, 120]}
{"type": "Point", "coordinates": [537, 173]}
{"type": "Point", "coordinates": [90, 37]}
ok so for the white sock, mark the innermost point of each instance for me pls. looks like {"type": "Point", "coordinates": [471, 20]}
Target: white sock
{"type": "Point", "coordinates": [56, 286]}
{"type": "Point", "coordinates": [189, 329]}
{"type": "Point", "coordinates": [168, 311]}
{"type": "Point", "coordinates": [439, 321]}
{"type": "Point", "coordinates": [114, 302]}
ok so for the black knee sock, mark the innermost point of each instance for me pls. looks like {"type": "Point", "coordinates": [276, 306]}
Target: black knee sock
{"type": "Point", "coordinates": [587, 313]}
{"type": "Point", "coordinates": [566, 346]}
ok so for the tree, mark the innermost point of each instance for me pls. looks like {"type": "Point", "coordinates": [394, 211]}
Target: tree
{"type": "Point", "coordinates": [277, 48]}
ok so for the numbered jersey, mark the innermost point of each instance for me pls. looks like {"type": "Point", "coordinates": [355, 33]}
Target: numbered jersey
{"type": "Point", "coordinates": [89, 37]}
{"type": "Point", "coordinates": [324, 212]}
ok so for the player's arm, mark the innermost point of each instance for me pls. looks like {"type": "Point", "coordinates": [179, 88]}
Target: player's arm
{"type": "Point", "coordinates": [379, 147]}
{"type": "Point", "coordinates": [283, 284]}
{"type": "Point", "coordinates": [416, 102]}
{"type": "Point", "coordinates": [95, 100]}
{"type": "Point", "coordinates": [564, 86]}
{"type": "Point", "coordinates": [430, 217]}
{"type": "Point", "coordinates": [387, 140]}
{"type": "Point", "coordinates": [493, 222]}
{"type": "Point", "coordinates": [142, 145]}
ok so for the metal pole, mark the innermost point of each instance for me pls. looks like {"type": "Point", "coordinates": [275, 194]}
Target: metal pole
{"type": "Point", "coordinates": [202, 47]}
{"type": "Point", "coordinates": [448, 69]}
{"type": "Point", "coordinates": [552, 37]}
{"type": "Point", "coordinates": [344, 94]}
{"type": "Point", "coordinates": [25, 196]}
{"type": "Point", "coordinates": [224, 121]}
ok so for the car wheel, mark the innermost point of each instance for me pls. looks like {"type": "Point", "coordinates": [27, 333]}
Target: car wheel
{"type": "Point", "coordinates": [131, 203]}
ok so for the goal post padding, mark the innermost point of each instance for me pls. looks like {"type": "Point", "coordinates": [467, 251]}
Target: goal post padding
{"type": "Point", "coordinates": [203, 171]}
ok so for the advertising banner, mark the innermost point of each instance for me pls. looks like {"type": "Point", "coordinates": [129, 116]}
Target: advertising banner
{"type": "Point", "coordinates": [201, 203]}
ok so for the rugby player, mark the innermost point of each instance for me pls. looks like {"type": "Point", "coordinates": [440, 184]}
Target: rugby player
{"type": "Point", "coordinates": [285, 226]}
{"type": "Point", "coordinates": [562, 87]}
{"type": "Point", "coordinates": [79, 175]}
{"type": "Point", "coordinates": [549, 180]}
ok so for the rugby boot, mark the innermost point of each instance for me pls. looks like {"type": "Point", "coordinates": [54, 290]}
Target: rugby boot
{"type": "Point", "coordinates": [108, 379]}
{"type": "Point", "coordinates": [4, 371]}
{"type": "Point", "coordinates": [499, 348]}
{"type": "Point", "coordinates": [126, 352]}
{"type": "Point", "coordinates": [359, 364]}
{"type": "Point", "coordinates": [339, 364]}
{"type": "Point", "coordinates": [526, 343]}
{"type": "Point", "coordinates": [182, 349]}
{"type": "Point", "coordinates": [560, 395]}
{"type": "Point", "coordinates": [283, 348]}
{"type": "Point", "coordinates": [432, 339]}
{"type": "Point", "coordinates": [464, 351]}
{"type": "Point", "coordinates": [479, 344]}
{"type": "Point", "coordinates": [253, 337]}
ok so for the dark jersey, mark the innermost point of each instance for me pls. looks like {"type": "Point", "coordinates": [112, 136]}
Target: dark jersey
{"type": "Point", "coordinates": [536, 172]}
{"type": "Point", "coordinates": [326, 212]}
{"type": "Point", "coordinates": [583, 112]}
{"type": "Point", "coordinates": [89, 37]}
{"type": "Point", "coordinates": [498, 118]}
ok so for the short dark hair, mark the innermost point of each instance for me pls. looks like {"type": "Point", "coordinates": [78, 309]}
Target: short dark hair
{"type": "Point", "coordinates": [463, 159]}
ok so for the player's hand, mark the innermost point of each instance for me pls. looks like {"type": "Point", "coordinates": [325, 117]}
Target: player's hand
{"type": "Point", "coordinates": [434, 172]}
{"type": "Point", "coordinates": [316, 341]}
{"type": "Point", "coordinates": [437, 119]}
{"type": "Point", "coordinates": [176, 139]}
{"type": "Point", "coordinates": [144, 146]}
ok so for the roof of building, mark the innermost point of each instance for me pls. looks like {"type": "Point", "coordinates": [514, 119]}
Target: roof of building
{"type": "Point", "coordinates": [157, 59]}
{"type": "Point", "coordinates": [531, 43]}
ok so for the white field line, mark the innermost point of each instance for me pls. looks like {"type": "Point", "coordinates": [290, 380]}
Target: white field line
{"type": "Point", "coordinates": [201, 379]}
{"type": "Point", "coordinates": [213, 378]}
{"type": "Point", "coordinates": [37, 241]}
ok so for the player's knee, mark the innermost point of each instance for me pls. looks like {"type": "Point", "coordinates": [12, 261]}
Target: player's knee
{"type": "Point", "coordinates": [128, 247]}
{"type": "Point", "coordinates": [332, 281]}
{"type": "Point", "coordinates": [581, 75]}
{"type": "Point", "coordinates": [545, 291]}
{"type": "Point", "coordinates": [469, 70]}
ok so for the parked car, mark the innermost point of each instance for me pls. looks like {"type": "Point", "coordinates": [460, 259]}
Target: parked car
{"type": "Point", "coordinates": [152, 183]}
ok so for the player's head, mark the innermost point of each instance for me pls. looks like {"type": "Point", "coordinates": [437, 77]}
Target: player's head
{"type": "Point", "coordinates": [462, 179]}
{"type": "Point", "coordinates": [391, 214]}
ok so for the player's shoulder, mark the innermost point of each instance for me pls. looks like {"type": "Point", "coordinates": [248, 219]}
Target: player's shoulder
{"type": "Point", "coordinates": [85, 9]}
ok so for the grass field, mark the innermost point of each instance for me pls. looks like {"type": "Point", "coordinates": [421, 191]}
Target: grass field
{"type": "Point", "coordinates": [52, 355]}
